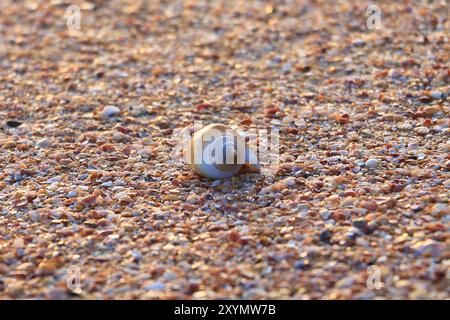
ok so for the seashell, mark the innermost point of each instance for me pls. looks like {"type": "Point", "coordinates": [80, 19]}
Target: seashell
{"type": "Point", "coordinates": [219, 152]}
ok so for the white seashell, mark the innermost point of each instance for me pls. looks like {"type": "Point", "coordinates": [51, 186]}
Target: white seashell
{"type": "Point", "coordinates": [218, 152]}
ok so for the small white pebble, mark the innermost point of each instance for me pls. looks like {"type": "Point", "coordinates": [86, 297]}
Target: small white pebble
{"type": "Point", "coordinates": [19, 243]}
{"type": "Point", "coordinates": [371, 163]}
{"type": "Point", "coordinates": [169, 276]}
{"type": "Point", "coordinates": [72, 194]}
{"type": "Point", "coordinates": [44, 143]}
{"type": "Point", "coordinates": [35, 216]}
{"type": "Point", "coordinates": [290, 181]}
{"type": "Point", "coordinates": [138, 110]}
{"type": "Point", "coordinates": [121, 183]}
{"type": "Point", "coordinates": [156, 286]}
{"type": "Point", "coordinates": [54, 179]}
{"type": "Point", "coordinates": [107, 184]}
{"type": "Point", "coordinates": [137, 255]}
{"type": "Point", "coordinates": [446, 184]}
{"type": "Point", "coordinates": [437, 95]}
{"type": "Point", "coordinates": [110, 111]}
{"type": "Point", "coordinates": [144, 152]}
